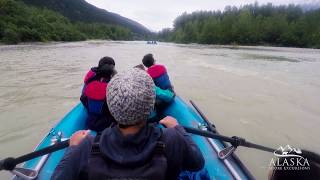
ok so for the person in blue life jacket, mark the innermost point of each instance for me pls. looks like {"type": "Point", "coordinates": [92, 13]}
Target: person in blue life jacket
{"type": "Point", "coordinates": [158, 72]}
{"type": "Point", "coordinates": [93, 95]}
{"type": "Point", "coordinates": [133, 149]}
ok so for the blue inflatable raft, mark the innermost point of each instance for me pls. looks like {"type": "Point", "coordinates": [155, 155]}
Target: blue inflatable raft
{"type": "Point", "coordinates": [229, 168]}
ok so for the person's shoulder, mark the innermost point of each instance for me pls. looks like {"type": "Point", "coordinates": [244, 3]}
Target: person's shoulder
{"type": "Point", "coordinates": [89, 75]}
{"type": "Point", "coordinates": [85, 145]}
{"type": "Point", "coordinates": [175, 142]}
{"type": "Point", "coordinates": [174, 134]}
{"type": "Point", "coordinates": [160, 66]}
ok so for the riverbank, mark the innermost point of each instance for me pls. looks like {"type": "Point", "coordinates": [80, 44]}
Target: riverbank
{"type": "Point", "coordinates": [252, 24]}
{"type": "Point", "coordinates": [216, 46]}
{"type": "Point", "coordinates": [243, 47]}
{"type": "Point", "coordinates": [25, 23]}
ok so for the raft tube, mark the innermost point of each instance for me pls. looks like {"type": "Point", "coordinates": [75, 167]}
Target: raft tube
{"type": "Point", "coordinates": [230, 168]}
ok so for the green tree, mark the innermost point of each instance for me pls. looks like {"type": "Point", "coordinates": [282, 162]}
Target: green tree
{"type": "Point", "coordinates": [250, 24]}
{"type": "Point", "coordinates": [20, 22]}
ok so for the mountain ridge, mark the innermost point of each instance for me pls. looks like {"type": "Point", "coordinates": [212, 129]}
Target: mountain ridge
{"type": "Point", "coordinates": [80, 10]}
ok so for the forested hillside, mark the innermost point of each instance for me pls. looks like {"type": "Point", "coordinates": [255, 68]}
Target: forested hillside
{"type": "Point", "coordinates": [80, 10]}
{"type": "Point", "coordinates": [248, 25]}
{"type": "Point", "coordinates": [22, 23]}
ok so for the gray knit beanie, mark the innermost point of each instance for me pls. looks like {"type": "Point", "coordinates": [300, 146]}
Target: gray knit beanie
{"type": "Point", "coordinates": [131, 96]}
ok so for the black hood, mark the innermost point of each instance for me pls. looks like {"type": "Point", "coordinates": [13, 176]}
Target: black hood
{"type": "Point", "coordinates": [130, 150]}
{"type": "Point", "coordinates": [106, 71]}
{"type": "Point", "coordinates": [94, 69]}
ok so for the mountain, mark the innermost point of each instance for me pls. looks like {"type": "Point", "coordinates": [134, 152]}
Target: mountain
{"type": "Point", "coordinates": [20, 22]}
{"type": "Point", "coordinates": [80, 10]}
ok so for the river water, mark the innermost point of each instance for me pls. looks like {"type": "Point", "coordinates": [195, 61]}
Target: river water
{"type": "Point", "coordinates": [268, 95]}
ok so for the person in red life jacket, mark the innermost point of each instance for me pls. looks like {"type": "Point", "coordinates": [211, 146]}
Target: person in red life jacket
{"type": "Point", "coordinates": [93, 95]}
{"type": "Point", "coordinates": [158, 72]}
{"type": "Point", "coordinates": [132, 149]}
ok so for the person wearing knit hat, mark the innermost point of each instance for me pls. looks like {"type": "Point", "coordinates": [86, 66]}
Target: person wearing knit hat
{"type": "Point", "coordinates": [93, 95]}
{"type": "Point", "coordinates": [133, 149]}
{"type": "Point", "coordinates": [164, 97]}
{"type": "Point", "coordinates": [131, 97]}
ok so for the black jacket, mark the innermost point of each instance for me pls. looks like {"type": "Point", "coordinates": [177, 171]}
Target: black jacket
{"type": "Point", "coordinates": [180, 151]}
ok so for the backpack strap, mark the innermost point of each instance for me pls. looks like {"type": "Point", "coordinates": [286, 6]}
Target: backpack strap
{"type": "Point", "coordinates": [95, 148]}
{"type": "Point", "coordinates": [160, 146]}
{"type": "Point", "coordinates": [158, 150]}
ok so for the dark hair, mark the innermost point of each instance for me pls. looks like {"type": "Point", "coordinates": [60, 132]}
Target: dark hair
{"type": "Point", "coordinates": [148, 60]}
{"type": "Point", "coordinates": [106, 60]}
{"type": "Point", "coordinates": [311, 174]}
{"type": "Point", "coordinates": [106, 67]}
{"type": "Point", "coordinates": [105, 71]}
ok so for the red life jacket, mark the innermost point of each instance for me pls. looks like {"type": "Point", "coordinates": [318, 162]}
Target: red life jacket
{"type": "Point", "coordinates": [94, 89]}
{"type": "Point", "coordinates": [160, 76]}
{"type": "Point", "coordinates": [94, 93]}
{"type": "Point", "coordinates": [156, 71]}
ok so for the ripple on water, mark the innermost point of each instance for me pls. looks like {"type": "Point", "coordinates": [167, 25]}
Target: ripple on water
{"type": "Point", "coordinates": [40, 83]}
{"type": "Point", "coordinates": [260, 57]}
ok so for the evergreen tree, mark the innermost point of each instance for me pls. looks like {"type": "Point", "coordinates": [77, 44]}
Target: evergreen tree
{"type": "Point", "coordinates": [248, 25]}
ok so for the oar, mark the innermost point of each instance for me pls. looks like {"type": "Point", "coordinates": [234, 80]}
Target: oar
{"type": "Point", "coordinates": [211, 127]}
{"type": "Point", "coordinates": [235, 141]}
{"type": "Point", "coordinates": [10, 163]}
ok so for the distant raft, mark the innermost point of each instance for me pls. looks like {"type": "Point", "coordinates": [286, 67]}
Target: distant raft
{"type": "Point", "coordinates": [152, 42]}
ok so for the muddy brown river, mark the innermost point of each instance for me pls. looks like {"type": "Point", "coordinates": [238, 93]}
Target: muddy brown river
{"type": "Point", "coordinates": [268, 95]}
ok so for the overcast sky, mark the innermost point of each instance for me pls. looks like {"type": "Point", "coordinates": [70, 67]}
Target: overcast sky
{"type": "Point", "coordinates": [159, 14]}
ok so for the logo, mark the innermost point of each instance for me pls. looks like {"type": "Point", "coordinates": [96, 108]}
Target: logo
{"type": "Point", "coordinates": [289, 158]}
{"type": "Point", "coordinates": [287, 151]}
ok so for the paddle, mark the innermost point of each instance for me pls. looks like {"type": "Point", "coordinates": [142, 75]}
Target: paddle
{"type": "Point", "coordinates": [235, 141]}
{"type": "Point", "coordinates": [10, 163]}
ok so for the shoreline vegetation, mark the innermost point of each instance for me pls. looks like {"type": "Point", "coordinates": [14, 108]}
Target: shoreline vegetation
{"type": "Point", "coordinates": [264, 47]}
{"type": "Point", "coordinates": [24, 23]}
{"type": "Point", "coordinates": [267, 25]}
{"type": "Point", "coordinates": [249, 25]}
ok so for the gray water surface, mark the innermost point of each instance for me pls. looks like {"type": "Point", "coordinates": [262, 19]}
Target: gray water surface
{"type": "Point", "coordinates": [267, 95]}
